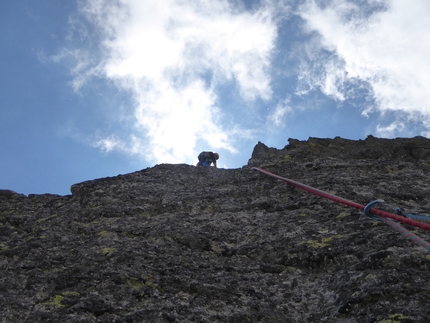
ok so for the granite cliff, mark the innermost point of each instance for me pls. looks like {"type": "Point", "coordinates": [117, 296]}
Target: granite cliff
{"type": "Point", "coordinates": [176, 243]}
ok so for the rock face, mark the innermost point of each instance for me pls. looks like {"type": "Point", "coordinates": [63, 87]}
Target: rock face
{"type": "Point", "coordinates": [176, 243]}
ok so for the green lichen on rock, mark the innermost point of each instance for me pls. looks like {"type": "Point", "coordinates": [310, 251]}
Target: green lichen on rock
{"type": "Point", "coordinates": [324, 242]}
{"type": "Point", "coordinates": [344, 214]}
{"type": "Point", "coordinates": [108, 251]}
{"type": "Point", "coordinates": [141, 283]}
{"type": "Point", "coordinates": [136, 283]}
{"type": "Point", "coordinates": [71, 293]}
{"type": "Point", "coordinates": [105, 234]}
{"type": "Point", "coordinates": [56, 301]}
{"type": "Point", "coordinates": [395, 318]}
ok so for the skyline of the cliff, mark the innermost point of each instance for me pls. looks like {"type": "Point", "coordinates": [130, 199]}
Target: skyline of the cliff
{"type": "Point", "coordinates": [97, 88]}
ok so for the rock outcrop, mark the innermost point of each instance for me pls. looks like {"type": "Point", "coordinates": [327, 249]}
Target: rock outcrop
{"type": "Point", "coordinates": [177, 243]}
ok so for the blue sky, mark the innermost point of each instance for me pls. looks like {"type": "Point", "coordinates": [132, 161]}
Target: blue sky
{"type": "Point", "coordinates": [96, 88]}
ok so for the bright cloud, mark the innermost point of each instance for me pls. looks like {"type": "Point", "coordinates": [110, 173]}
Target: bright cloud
{"type": "Point", "coordinates": [385, 44]}
{"type": "Point", "coordinates": [109, 143]}
{"type": "Point", "coordinates": [172, 56]}
{"type": "Point", "coordinates": [277, 117]}
{"type": "Point", "coordinates": [197, 70]}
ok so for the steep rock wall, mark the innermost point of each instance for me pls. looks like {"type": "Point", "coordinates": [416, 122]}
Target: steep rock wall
{"type": "Point", "coordinates": [176, 243]}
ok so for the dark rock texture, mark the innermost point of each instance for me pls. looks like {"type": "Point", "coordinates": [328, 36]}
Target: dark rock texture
{"type": "Point", "coordinates": [176, 243]}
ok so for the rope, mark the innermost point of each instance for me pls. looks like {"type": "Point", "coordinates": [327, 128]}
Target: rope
{"type": "Point", "coordinates": [406, 233]}
{"type": "Point", "coordinates": [418, 240]}
{"type": "Point", "coordinates": [418, 217]}
{"type": "Point", "coordinates": [398, 211]}
{"type": "Point", "coordinates": [338, 199]}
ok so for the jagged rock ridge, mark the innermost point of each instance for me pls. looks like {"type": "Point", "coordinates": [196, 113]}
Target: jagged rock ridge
{"type": "Point", "coordinates": [176, 243]}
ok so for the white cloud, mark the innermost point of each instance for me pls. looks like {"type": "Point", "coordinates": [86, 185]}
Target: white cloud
{"type": "Point", "coordinates": [391, 130]}
{"type": "Point", "coordinates": [163, 52]}
{"type": "Point", "coordinates": [109, 143]}
{"type": "Point", "coordinates": [277, 117]}
{"type": "Point", "coordinates": [82, 66]}
{"type": "Point", "coordinates": [383, 43]}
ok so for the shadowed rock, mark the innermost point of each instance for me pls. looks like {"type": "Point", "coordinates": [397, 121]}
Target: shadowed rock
{"type": "Point", "coordinates": [177, 243]}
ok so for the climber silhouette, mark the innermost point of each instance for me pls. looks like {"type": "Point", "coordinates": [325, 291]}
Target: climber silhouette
{"type": "Point", "coordinates": [206, 158]}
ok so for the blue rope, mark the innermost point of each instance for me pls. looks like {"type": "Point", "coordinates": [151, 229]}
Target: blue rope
{"type": "Point", "coordinates": [398, 211]}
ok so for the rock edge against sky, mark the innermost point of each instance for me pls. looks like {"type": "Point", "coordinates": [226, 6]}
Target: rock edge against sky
{"type": "Point", "coordinates": [176, 243]}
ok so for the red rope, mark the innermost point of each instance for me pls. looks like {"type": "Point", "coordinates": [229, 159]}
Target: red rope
{"type": "Point", "coordinates": [338, 199]}
{"type": "Point", "coordinates": [406, 233]}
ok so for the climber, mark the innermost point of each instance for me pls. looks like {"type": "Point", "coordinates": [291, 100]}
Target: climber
{"type": "Point", "coordinates": [206, 158]}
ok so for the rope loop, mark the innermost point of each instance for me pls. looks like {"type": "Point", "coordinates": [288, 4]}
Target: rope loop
{"type": "Point", "coordinates": [369, 206]}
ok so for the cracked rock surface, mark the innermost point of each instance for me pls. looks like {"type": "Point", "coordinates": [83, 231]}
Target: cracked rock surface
{"type": "Point", "coordinates": [177, 243]}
